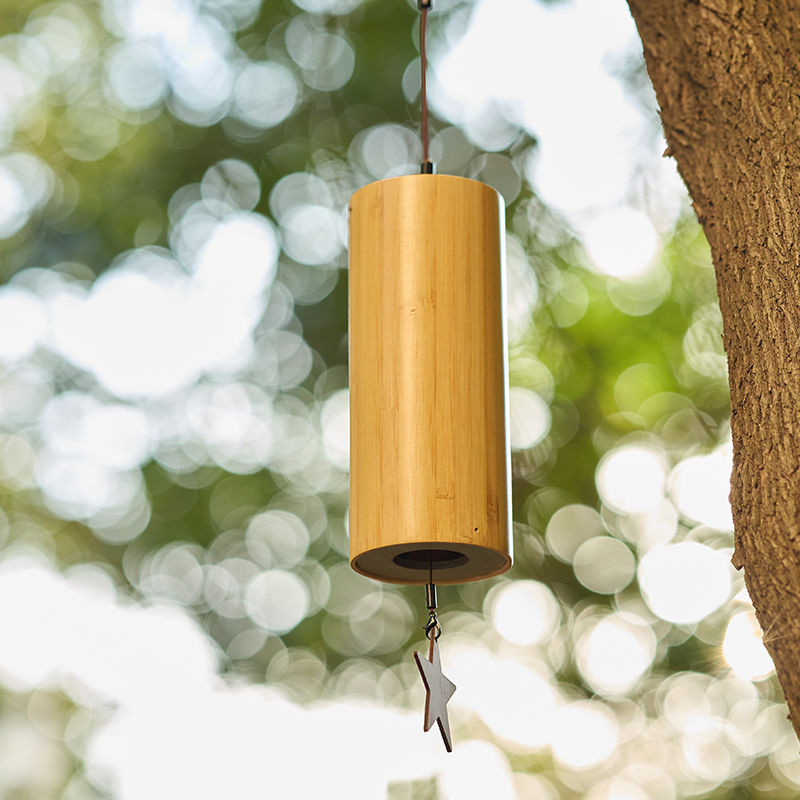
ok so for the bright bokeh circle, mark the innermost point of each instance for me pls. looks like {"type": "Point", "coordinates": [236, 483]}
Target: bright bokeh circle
{"type": "Point", "coordinates": [524, 612]}
{"type": "Point", "coordinates": [631, 479]}
{"type": "Point", "coordinates": [685, 582]}
{"type": "Point", "coordinates": [584, 735]}
{"type": "Point", "coordinates": [616, 653]}
{"type": "Point", "coordinates": [604, 565]}
{"type": "Point", "coordinates": [744, 649]}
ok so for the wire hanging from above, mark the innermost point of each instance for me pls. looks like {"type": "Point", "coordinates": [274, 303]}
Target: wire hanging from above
{"type": "Point", "coordinates": [424, 7]}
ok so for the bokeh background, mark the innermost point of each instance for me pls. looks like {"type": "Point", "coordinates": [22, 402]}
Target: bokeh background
{"type": "Point", "coordinates": [177, 615]}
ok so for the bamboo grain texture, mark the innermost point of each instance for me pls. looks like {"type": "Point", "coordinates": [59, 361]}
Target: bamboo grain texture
{"type": "Point", "coordinates": [429, 457]}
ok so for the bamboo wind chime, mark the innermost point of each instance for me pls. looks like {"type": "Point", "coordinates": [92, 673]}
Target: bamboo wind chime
{"type": "Point", "coordinates": [429, 450]}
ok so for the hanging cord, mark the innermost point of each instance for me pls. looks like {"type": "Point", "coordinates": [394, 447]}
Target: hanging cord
{"type": "Point", "coordinates": [432, 625]}
{"type": "Point", "coordinates": [425, 6]}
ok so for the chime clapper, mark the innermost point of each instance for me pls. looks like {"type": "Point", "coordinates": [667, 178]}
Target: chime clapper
{"type": "Point", "coordinates": [439, 689]}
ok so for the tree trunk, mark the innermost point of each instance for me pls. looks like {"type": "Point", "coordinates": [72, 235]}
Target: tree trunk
{"type": "Point", "coordinates": [727, 77]}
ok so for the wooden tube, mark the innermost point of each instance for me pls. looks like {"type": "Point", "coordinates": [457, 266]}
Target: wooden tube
{"type": "Point", "coordinates": [429, 451]}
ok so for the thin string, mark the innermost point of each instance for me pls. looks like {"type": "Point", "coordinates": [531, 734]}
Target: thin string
{"type": "Point", "coordinates": [423, 57]}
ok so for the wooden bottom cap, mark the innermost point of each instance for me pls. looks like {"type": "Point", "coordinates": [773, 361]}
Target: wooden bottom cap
{"type": "Point", "coordinates": [452, 562]}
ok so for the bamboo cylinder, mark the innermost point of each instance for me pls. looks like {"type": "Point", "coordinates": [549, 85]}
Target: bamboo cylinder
{"type": "Point", "coordinates": [429, 449]}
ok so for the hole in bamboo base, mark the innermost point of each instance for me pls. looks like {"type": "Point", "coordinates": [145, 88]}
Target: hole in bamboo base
{"type": "Point", "coordinates": [425, 559]}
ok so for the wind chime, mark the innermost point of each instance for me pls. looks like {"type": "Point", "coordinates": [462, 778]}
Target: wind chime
{"type": "Point", "coordinates": [429, 451]}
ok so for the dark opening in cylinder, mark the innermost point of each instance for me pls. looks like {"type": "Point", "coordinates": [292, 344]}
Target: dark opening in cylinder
{"type": "Point", "coordinates": [427, 559]}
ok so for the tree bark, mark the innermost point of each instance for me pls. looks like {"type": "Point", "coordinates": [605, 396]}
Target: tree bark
{"type": "Point", "coordinates": [727, 77]}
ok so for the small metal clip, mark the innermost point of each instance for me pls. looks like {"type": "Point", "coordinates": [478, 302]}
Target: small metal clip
{"type": "Point", "coordinates": [433, 624]}
{"type": "Point", "coordinates": [430, 602]}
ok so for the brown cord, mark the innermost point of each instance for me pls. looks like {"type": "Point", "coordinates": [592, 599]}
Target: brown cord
{"type": "Point", "coordinates": [423, 57]}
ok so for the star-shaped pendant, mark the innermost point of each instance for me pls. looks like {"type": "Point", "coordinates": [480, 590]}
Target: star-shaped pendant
{"type": "Point", "coordinates": [440, 690]}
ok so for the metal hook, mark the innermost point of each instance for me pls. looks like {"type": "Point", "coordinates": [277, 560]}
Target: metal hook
{"type": "Point", "coordinates": [433, 624]}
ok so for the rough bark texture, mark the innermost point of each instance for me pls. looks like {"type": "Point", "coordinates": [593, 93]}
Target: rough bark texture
{"type": "Point", "coordinates": [727, 77]}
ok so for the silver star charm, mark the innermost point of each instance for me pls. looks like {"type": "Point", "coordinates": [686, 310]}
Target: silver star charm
{"type": "Point", "coordinates": [440, 690]}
